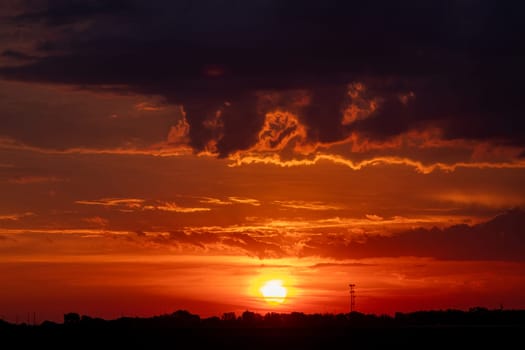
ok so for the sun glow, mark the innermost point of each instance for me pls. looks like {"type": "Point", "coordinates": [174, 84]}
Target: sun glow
{"type": "Point", "coordinates": [274, 292]}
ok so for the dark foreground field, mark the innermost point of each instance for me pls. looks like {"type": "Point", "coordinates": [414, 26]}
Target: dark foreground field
{"type": "Point", "coordinates": [269, 338]}
{"type": "Point", "coordinates": [441, 330]}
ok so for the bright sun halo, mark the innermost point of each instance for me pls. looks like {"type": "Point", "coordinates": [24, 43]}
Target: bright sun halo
{"type": "Point", "coordinates": [274, 292]}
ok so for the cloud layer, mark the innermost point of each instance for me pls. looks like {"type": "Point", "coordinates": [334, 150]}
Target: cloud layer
{"type": "Point", "coordinates": [498, 239]}
{"type": "Point", "coordinates": [270, 77]}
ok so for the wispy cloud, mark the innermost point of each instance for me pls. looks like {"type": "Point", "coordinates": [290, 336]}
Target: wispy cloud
{"type": "Point", "coordinates": [16, 216]}
{"type": "Point", "coordinates": [24, 180]}
{"type": "Point", "coordinates": [275, 159]}
{"type": "Point", "coordinates": [249, 201]}
{"type": "Point", "coordinates": [97, 221]}
{"type": "Point", "coordinates": [173, 207]}
{"type": "Point", "coordinates": [131, 204]}
{"type": "Point", "coordinates": [148, 107]}
{"type": "Point", "coordinates": [307, 205]}
{"type": "Point", "coordinates": [374, 217]}
{"type": "Point", "coordinates": [161, 149]}
{"type": "Point", "coordinates": [64, 231]}
{"type": "Point", "coordinates": [499, 238]}
{"type": "Point", "coordinates": [485, 199]}
{"type": "Point", "coordinates": [215, 201]}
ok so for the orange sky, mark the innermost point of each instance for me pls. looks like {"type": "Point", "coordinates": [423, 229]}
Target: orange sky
{"type": "Point", "coordinates": [169, 181]}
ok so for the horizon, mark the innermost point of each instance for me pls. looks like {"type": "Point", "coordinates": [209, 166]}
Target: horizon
{"type": "Point", "coordinates": [263, 155]}
{"type": "Point", "coordinates": [73, 317]}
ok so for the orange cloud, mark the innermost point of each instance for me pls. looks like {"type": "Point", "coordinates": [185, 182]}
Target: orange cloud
{"type": "Point", "coordinates": [215, 201]}
{"type": "Point", "coordinates": [275, 159]}
{"type": "Point", "coordinates": [249, 201]}
{"type": "Point", "coordinates": [179, 133]}
{"type": "Point", "coordinates": [432, 138]}
{"type": "Point", "coordinates": [15, 217]}
{"type": "Point", "coordinates": [374, 217]}
{"type": "Point", "coordinates": [278, 131]}
{"type": "Point", "coordinates": [486, 199]}
{"type": "Point", "coordinates": [361, 106]}
{"type": "Point", "coordinates": [283, 140]}
{"type": "Point", "coordinates": [215, 126]}
{"type": "Point", "coordinates": [162, 149]}
{"type": "Point", "coordinates": [24, 180]}
{"type": "Point", "coordinates": [336, 237]}
{"type": "Point", "coordinates": [489, 152]}
{"type": "Point", "coordinates": [148, 107]}
{"type": "Point", "coordinates": [318, 206]}
{"type": "Point", "coordinates": [132, 203]}
{"type": "Point", "coordinates": [129, 204]}
{"type": "Point", "coordinates": [97, 221]}
{"type": "Point", "coordinates": [170, 206]}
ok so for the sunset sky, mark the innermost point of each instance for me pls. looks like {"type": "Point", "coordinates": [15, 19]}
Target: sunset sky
{"type": "Point", "coordinates": [164, 155]}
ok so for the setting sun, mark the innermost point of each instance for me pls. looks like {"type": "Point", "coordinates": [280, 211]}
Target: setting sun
{"type": "Point", "coordinates": [274, 292]}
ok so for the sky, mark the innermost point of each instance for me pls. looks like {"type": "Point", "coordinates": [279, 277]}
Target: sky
{"type": "Point", "coordinates": [164, 155]}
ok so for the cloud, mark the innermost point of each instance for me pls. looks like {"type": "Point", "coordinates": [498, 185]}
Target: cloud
{"type": "Point", "coordinates": [497, 239]}
{"type": "Point", "coordinates": [171, 148]}
{"type": "Point", "coordinates": [60, 13]}
{"type": "Point", "coordinates": [275, 159]}
{"type": "Point", "coordinates": [306, 205]}
{"type": "Point", "coordinates": [217, 241]}
{"type": "Point", "coordinates": [361, 106]}
{"type": "Point", "coordinates": [135, 204]}
{"type": "Point", "coordinates": [347, 238]}
{"type": "Point", "coordinates": [148, 107]}
{"type": "Point", "coordinates": [257, 247]}
{"type": "Point", "coordinates": [215, 201]}
{"type": "Point", "coordinates": [97, 221]}
{"type": "Point", "coordinates": [15, 217]}
{"type": "Point", "coordinates": [485, 199]}
{"type": "Point", "coordinates": [278, 131]}
{"type": "Point", "coordinates": [250, 201]}
{"type": "Point", "coordinates": [70, 231]}
{"type": "Point", "coordinates": [179, 133]}
{"type": "Point", "coordinates": [25, 180]}
{"type": "Point", "coordinates": [500, 238]}
{"type": "Point", "coordinates": [173, 207]}
{"type": "Point", "coordinates": [200, 240]}
{"type": "Point", "coordinates": [17, 55]}
{"type": "Point", "coordinates": [337, 239]}
{"type": "Point", "coordinates": [132, 203]}
{"type": "Point", "coordinates": [374, 217]}
{"type": "Point", "coordinates": [267, 238]}
{"type": "Point", "coordinates": [360, 69]}
{"type": "Point", "coordinates": [103, 123]}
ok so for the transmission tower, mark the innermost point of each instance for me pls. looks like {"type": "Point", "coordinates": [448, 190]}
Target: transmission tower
{"type": "Point", "coordinates": [352, 297]}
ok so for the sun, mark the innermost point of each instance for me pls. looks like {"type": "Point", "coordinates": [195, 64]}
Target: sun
{"type": "Point", "coordinates": [274, 292]}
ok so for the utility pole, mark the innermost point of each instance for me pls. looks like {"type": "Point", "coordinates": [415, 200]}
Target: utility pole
{"type": "Point", "coordinates": [352, 297]}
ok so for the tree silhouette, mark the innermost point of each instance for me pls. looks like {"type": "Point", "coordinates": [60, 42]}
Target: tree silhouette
{"type": "Point", "coordinates": [71, 318]}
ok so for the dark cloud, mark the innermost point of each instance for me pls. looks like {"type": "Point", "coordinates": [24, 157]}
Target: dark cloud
{"type": "Point", "coordinates": [60, 12]}
{"type": "Point", "coordinates": [17, 55]}
{"type": "Point", "coordinates": [251, 245]}
{"type": "Point", "coordinates": [352, 264]}
{"type": "Point", "coordinates": [460, 59]}
{"type": "Point", "coordinates": [501, 238]}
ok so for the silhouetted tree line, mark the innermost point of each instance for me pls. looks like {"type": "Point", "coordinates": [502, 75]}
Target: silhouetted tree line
{"type": "Point", "coordinates": [477, 316]}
